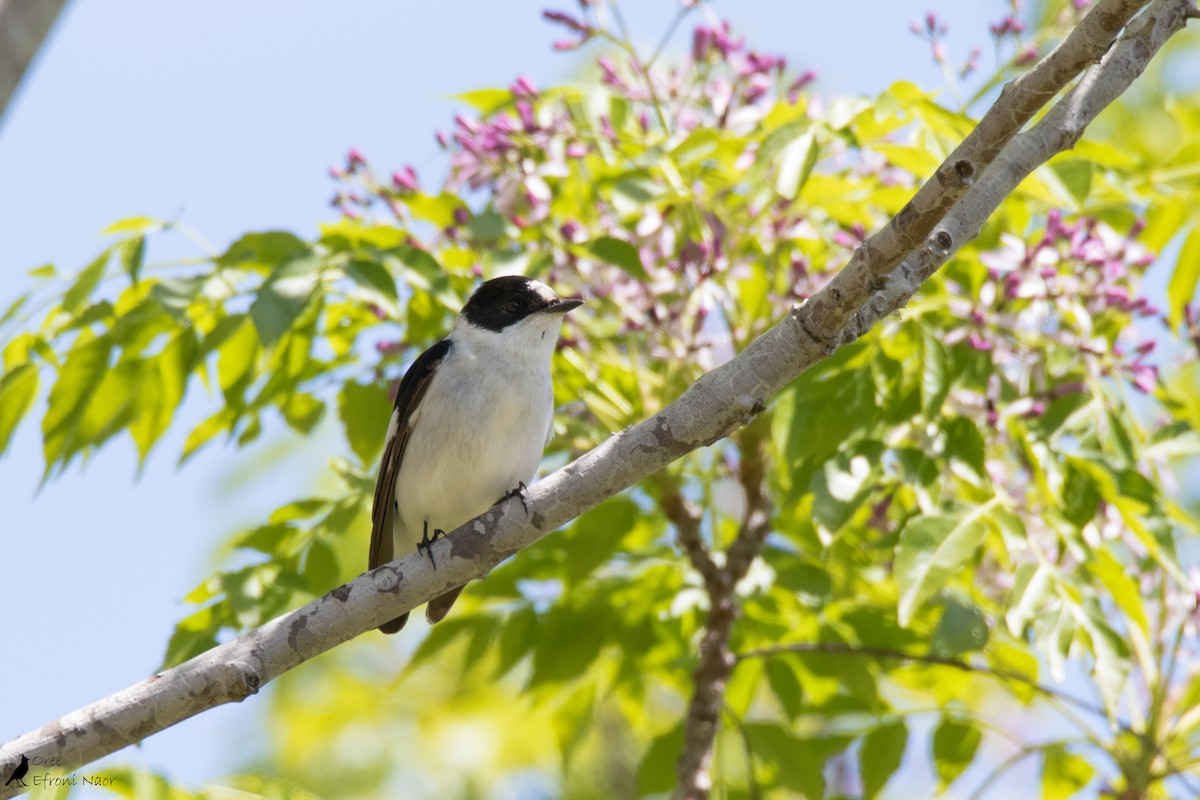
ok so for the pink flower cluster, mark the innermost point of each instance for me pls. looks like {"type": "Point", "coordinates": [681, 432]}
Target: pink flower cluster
{"type": "Point", "coordinates": [1076, 286]}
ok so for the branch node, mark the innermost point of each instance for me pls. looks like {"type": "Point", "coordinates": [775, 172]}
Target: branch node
{"type": "Point", "coordinates": [944, 241]}
{"type": "Point", "coordinates": [965, 171]}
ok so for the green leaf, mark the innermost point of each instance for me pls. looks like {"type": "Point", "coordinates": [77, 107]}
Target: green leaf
{"type": "Point", "coordinates": [81, 374]}
{"type": "Point", "coordinates": [573, 720]}
{"type": "Point", "coordinates": [1064, 773]}
{"type": "Point", "coordinates": [264, 252]}
{"type": "Point", "coordinates": [133, 255]}
{"type": "Point", "coordinates": [931, 551]}
{"type": "Point", "coordinates": [436, 209]}
{"type": "Point", "coordinates": [378, 283]}
{"type": "Point", "coordinates": [487, 227]}
{"type": "Point", "coordinates": [785, 683]}
{"type": "Point", "coordinates": [192, 636]}
{"type": "Point", "coordinates": [1033, 584]}
{"type": "Point", "coordinates": [796, 162]}
{"type": "Point", "coordinates": [656, 772]}
{"type": "Point", "coordinates": [592, 539]}
{"type": "Point", "coordinates": [365, 412]}
{"type": "Point", "coordinates": [320, 566]}
{"type": "Point", "coordinates": [880, 757]}
{"type": "Point", "coordinates": [955, 744]}
{"type": "Point", "coordinates": [113, 403]}
{"type": "Point", "coordinates": [962, 629]}
{"type": "Point", "coordinates": [618, 253]}
{"type": "Point", "coordinates": [485, 101]}
{"type": "Point", "coordinates": [236, 358]}
{"type": "Point", "coordinates": [133, 225]}
{"type": "Point", "coordinates": [1007, 658]}
{"type": "Point", "coordinates": [220, 421]}
{"type": "Point", "coordinates": [800, 761]}
{"type": "Point", "coordinates": [85, 284]}
{"type": "Point", "coordinates": [165, 390]}
{"type": "Point", "coordinates": [1182, 287]}
{"type": "Point", "coordinates": [965, 443]}
{"type": "Point", "coordinates": [1114, 575]}
{"type": "Point", "coordinates": [176, 294]}
{"type": "Point", "coordinates": [842, 485]}
{"type": "Point", "coordinates": [1110, 649]}
{"type": "Point", "coordinates": [569, 641]}
{"type": "Point", "coordinates": [18, 388]}
{"type": "Point", "coordinates": [517, 639]}
{"type": "Point", "coordinates": [935, 376]}
{"type": "Point", "coordinates": [1076, 175]}
{"type": "Point", "coordinates": [283, 297]}
{"type": "Point", "coordinates": [302, 411]}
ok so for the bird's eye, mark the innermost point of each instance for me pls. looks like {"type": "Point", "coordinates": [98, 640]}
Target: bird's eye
{"type": "Point", "coordinates": [512, 306]}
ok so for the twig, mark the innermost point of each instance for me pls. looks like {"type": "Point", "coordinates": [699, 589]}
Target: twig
{"type": "Point", "coordinates": [837, 648]}
{"type": "Point", "coordinates": [715, 663]}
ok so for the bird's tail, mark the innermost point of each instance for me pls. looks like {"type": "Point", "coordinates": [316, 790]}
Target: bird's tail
{"type": "Point", "coordinates": [440, 606]}
{"type": "Point", "coordinates": [395, 625]}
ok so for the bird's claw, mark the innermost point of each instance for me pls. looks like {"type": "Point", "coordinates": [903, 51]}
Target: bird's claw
{"type": "Point", "coordinates": [518, 493]}
{"type": "Point", "coordinates": [426, 544]}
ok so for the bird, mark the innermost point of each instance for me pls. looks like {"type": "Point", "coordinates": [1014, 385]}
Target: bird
{"type": "Point", "coordinates": [20, 772]}
{"type": "Point", "coordinates": [472, 417]}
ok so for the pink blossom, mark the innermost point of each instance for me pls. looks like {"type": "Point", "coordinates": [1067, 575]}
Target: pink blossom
{"type": "Point", "coordinates": [572, 231]}
{"type": "Point", "coordinates": [702, 41]}
{"type": "Point", "coordinates": [525, 112]}
{"type": "Point", "coordinates": [1145, 377]}
{"type": "Point", "coordinates": [977, 342]}
{"type": "Point", "coordinates": [523, 87]}
{"type": "Point", "coordinates": [566, 20]}
{"type": "Point", "coordinates": [796, 86]}
{"type": "Point", "coordinates": [405, 180]}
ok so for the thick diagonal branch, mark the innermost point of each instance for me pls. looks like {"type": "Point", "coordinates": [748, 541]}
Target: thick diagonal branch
{"type": "Point", "coordinates": [24, 25]}
{"type": "Point", "coordinates": [880, 254]}
{"type": "Point", "coordinates": [716, 405]}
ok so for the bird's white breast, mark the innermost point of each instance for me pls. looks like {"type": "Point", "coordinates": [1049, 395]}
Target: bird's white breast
{"type": "Point", "coordinates": [478, 432]}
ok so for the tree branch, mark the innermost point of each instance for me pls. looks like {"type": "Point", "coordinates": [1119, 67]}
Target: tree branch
{"type": "Point", "coordinates": [715, 663]}
{"type": "Point", "coordinates": [880, 254]}
{"type": "Point", "coordinates": [23, 26]}
{"type": "Point", "coordinates": [717, 404]}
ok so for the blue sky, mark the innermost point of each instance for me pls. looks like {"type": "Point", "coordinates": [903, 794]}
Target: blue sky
{"type": "Point", "coordinates": [226, 115]}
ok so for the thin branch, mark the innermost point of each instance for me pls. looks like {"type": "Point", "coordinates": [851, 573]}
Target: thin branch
{"type": "Point", "coordinates": [837, 648]}
{"type": "Point", "coordinates": [717, 404]}
{"type": "Point", "coordinates": [687, 520]}
{"type": "Point", "coordinates": [715, 663]}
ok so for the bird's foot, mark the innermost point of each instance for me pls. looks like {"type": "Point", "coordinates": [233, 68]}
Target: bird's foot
{"type": "Point", "coordinates": [426, 543]}
{"type": "Point", "coordinates": [518, 493]}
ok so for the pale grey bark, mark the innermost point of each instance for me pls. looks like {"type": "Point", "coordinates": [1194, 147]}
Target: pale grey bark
{"type": "Point", "coordinates": [716, 405]}
{"type": "Point", "coordinates": [23, 26]}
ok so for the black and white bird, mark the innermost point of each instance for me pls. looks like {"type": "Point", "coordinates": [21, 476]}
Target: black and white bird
{"type": "Point", "coordinates": [472, 417]}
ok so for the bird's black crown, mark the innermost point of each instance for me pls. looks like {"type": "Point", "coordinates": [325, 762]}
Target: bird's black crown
{"type": "Point", "coordinates": [501, 302]}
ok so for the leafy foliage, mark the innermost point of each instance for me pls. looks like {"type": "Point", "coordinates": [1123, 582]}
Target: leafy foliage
{"type": "Point", "coordinates": [967, 507]}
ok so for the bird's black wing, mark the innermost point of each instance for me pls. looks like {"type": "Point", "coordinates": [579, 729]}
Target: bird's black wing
{"type": "Point", "coordinates": [412, 388]}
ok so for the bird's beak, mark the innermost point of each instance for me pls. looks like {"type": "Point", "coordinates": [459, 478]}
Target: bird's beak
{"type": "Point", "coordinates": [564, 305]}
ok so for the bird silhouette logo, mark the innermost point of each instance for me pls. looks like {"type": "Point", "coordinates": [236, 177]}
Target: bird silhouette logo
{"type": "Point", "coordinates": [19, 772]}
